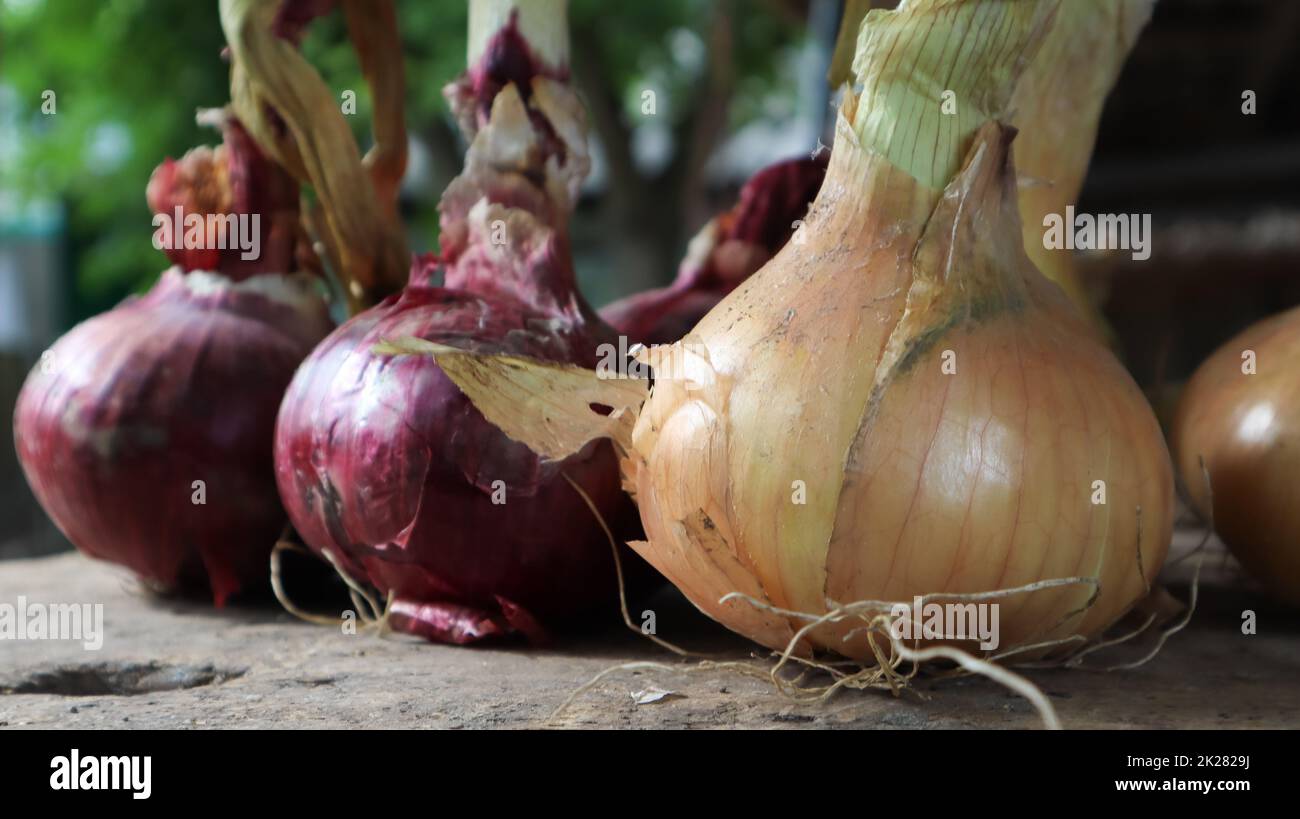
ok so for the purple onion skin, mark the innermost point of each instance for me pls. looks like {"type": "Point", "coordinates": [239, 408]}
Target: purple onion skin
{"type": "Point", "coordinates": [140, 402]}
{"type": "Point", "coordinates": [741, 241]}
{"type": "Point", "coordinates": [385, 464]}
{"type": "Point", "coordinates": [387, 468]}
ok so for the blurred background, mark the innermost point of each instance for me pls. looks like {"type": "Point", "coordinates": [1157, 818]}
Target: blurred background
{"type": "Point", "coordinates": [737, 84]}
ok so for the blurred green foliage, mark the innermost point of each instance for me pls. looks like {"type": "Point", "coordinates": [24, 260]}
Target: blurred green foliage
{"type": "Point", "coordinates": [128, 76]}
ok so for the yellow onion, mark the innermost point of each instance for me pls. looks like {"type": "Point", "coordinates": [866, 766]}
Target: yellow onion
{"type": "Point", "coordinates": [1240, 415]}
{"type": "Point", "coordinates": [901, 405]}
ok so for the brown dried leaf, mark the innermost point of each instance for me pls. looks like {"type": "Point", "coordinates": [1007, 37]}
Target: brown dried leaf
{"type": "Point", "coordinates": [551, 408]}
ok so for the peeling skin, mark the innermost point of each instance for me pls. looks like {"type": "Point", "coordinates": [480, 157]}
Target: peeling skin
{"type": "Point", "coordinates": [393, 470]}
{"type": "Point", "coordinates": [921, 507]}
{"type": "Point", "coordinates": [1057, 107]}
{"type": "Point", "coordinates": [824, 368]}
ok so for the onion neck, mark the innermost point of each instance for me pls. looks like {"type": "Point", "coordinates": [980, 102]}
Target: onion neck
{"type": "Point", "coordinates": [929, 172]}
{"type": "Point", "coordinates": [295, 118]}
{"type": "Point", "coordinates": [505, 218]}
{"type": "Point", "coordinates": [932, 74]}
{"type": "Point", "coordinates": [510, 43]}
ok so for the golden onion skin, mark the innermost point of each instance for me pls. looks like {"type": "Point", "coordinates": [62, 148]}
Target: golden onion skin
{"type": "Point", "coordinates": [826, 371]}
{"type": "Point", "coordinates": [1246, 427]}
{"type": "Point", "coordinates": [1057, 107]}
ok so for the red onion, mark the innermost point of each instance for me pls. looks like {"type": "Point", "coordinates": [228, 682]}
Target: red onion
{"type": "Point", "coordinates": [724, 253]}
{"type": "Point", "coordinates": [386, 466]}
{"type": "Point", "coordinates": [146, 431]}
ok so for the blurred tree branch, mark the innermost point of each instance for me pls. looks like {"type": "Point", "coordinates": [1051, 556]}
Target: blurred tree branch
{"type": "Point", "coordinates": [653, 235]}
{"type": "Point", "coordinates": [605, 105]}
{"type": "Point", "coordinates": [700, 132]}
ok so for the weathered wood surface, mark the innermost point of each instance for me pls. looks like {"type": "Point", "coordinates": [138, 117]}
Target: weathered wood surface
{"type": "Point", "coordinates": [179, 665]}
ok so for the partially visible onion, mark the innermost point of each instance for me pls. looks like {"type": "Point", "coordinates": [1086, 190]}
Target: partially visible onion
{"type": "Point", "coordinates": [384, 464]}
{"type": "Point", "coordinates": [146, 432]}
{"type": "Point", "coordinates": [723, 254]}
{"type": "Point", "coordinates": [1240, 416]}
{"type": "Point", "coordinates": [1056, 108]}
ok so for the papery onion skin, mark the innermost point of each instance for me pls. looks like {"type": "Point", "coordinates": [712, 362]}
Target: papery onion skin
{"type": "Point", "coordinates": [970, 482]}
{"type": "Point", "coordinates": [131, 407]}
{"type": "Point", "coordinates": [724, 253]}
{"type": "Point", "coordinates": [385, 466]}
{"type": "Point", "coordinates": [233, 178]}
{"type": "Point", "coordinates": [903, 405]}
{"type": "Point", "coordinates": [1246, 429]}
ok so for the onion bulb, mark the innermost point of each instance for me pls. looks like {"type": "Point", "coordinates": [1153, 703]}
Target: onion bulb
{"type": "Point", "coordinates": [901, 405]}
{"type": "Point", "coordinates": [146, 432]}
{"type": "Point", "coordinates": [1238, 415]}
{"type": "Point", "coordinates": [384, 464]}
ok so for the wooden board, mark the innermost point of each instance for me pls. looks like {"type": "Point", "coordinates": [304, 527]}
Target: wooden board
{"type": "Point", "coordinates": [176, 665]}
